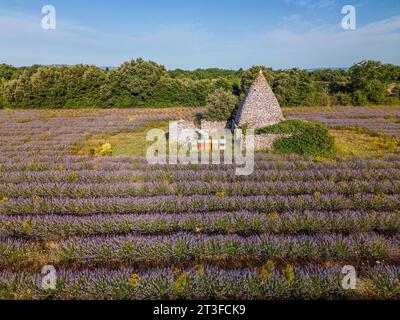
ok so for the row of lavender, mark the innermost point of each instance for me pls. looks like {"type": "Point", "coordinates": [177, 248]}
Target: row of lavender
{"type": "Point", "coordinates": [206, 175]}
{"type": "Point", "coordinates": [270, 162]}
{"type": "Point", "coordinates": [187, 231]}
{"type": "Point", "coordinates": [267, 282]}
{"type": "Point", "coordinates": [157, 188]}
{"type": "Point", "coordinates": [54, 227]}
{"type": "Point", "coordinates": [382, 120]}
{"type": "Point", "coordinates": [197, 203]}
{"type": "Point", "coordinates": [181, 247]}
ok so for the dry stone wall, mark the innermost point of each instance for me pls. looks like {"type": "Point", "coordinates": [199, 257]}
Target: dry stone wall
{"type": "Point", "coordinates": [214, 125]}
{"type": "Point", "coordinates": [264, 142]}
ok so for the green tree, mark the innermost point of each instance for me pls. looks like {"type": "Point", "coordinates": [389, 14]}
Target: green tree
{"type": "Point", "coordinates": [6, 71]}
{"type": "Point", "coordinates": [285, 88]}
{"type": "Point", "coordinates": [363, 72]}
{"type": "Point", "coordinates": [220, 105]}
{"type": "Point", "coordinates": [250, 75]}
{"type": "Point", "coordinates": [18, 93]}
{"type": "Point", "coordinates": [359, 98]}
{"type": "Point", "coordinates": [343, 99]}
{"type": "Point", "coordinates": [83, 83]}
{"type": "Point", "coordinates": [136, 81]}
{"type": "Point", "coordinates": [368, 78]}
{"type": "Point", "coordinates": [375, 91]}
{"type": "Point", "coordinates": [48, 88]}
{"type": "Point", "coordinates": [294, 88]}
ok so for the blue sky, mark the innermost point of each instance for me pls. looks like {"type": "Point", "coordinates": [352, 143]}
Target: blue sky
{"type": "Point", "coordinates": [193, 34]}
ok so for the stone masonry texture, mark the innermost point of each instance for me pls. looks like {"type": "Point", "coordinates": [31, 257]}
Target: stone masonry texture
{"type": "Point", "coordinates": [259, 108]}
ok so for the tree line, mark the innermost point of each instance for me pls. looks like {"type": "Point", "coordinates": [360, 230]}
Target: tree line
{"type": "Point", "coordinates": [140, 83]}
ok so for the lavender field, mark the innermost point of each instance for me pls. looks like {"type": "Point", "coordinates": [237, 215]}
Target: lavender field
{"type": "Point", "coordinates": [384, 120]}
{"type": "Point", "coordinates": [115, 227]}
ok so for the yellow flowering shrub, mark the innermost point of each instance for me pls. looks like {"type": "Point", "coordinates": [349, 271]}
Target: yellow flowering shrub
{"type": "Point", "coordinates": [26, 226]}
{"type": "Point", "coordinates": [273, 215]}
{"type": "Point", "coordinates": [182, 282]}
{"type": "Point", "coordinates": [134, 280]}
{"type": "Point", "coordinates": [106, 149]}
{"type": "Point", "coordinates": [288, 273]}
{"type": "Point", "coordinates": [267, 269]}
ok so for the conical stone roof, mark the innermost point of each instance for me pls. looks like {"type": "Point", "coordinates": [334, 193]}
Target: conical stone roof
{"type": "Point", "coordinates": [259, 108]}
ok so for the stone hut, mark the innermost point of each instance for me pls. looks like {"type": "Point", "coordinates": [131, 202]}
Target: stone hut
{"type": "Point", "coordinates": [259, 108]}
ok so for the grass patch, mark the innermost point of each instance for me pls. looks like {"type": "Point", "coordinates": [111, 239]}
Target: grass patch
{"type": "Point", "coordinates": [359, 141]}
{"type": "Point", "coordinates": [131, 143]}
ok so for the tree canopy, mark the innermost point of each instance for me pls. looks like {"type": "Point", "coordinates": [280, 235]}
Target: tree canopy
{"type": "Point", "coordinates": [140, 83]}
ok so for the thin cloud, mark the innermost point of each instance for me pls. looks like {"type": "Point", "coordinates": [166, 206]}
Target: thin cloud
{"type": "Point", "coordinates": [333, 46]}
{"type": "Point", "coordinates": [312, 4]}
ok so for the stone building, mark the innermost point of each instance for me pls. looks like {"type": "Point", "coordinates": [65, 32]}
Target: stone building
{"type": "Point", "coordinates": [259, 108]}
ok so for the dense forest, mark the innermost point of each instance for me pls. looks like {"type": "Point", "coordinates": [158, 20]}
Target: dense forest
{"type": "Point", "coordinates": [140, 83]}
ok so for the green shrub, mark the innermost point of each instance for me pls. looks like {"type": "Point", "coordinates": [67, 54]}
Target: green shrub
{"type": "Point", "coordinates": [359, 98]}
{"type": "Point", "coordinates": [186, 92]}
{"type": "Point", "coordinates": [343, 99]}
{"type": "Point", "coordinates": [306, 138]}
{"type": "Point", "coordinates": [375, 91]}
{"type": "Point", "coordinates": [220, 105]}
